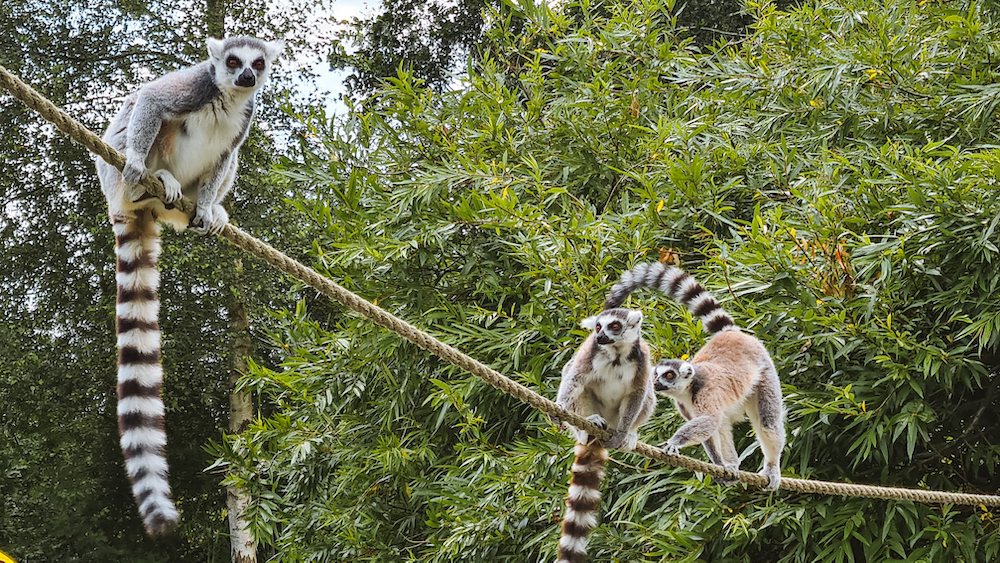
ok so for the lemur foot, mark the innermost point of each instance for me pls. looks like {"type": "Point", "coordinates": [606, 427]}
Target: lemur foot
{"type": "Point", "coordinates": [209, 220]}
{"type": "Point", "coordinates": [171, 187]}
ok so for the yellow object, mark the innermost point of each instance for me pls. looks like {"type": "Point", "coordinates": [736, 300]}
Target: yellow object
{"type": "Point", "coordinates": [4, 558]}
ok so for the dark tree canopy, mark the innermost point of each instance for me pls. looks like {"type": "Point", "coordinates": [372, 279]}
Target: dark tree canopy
{"type": "Point", "coordinates": [63, 492]}
{"type": "Point", "coordinates": [831, 176]}
{"type": "Point", "coordinates": [437, 39]}
{"type": "Point", "coordinates": [434, 38]}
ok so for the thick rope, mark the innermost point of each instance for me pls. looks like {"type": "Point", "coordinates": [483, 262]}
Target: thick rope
{"type": "Point", "coordinates": [387, 320]}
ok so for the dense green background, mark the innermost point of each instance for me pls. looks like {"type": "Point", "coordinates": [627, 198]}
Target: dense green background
{"type": "Point", "coordinates": [831, 175]}
{"type": "Point", "coordinates": [63, 491]}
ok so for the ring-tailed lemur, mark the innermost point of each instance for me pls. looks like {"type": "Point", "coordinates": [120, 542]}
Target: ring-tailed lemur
{"type": "Point", "coordinates": [730, 378]}
{"type": "Point", "coordinates": [608, 382]}
{"type": "Point", "coordinates": [185, 128]}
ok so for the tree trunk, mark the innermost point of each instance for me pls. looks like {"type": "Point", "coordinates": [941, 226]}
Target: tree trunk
{"type": "Point", "coordinates": [244, 549]}
{"type": "Point", "coordinates": [215, 18]}
{"type": "Point", "coordinates": [243, 546]}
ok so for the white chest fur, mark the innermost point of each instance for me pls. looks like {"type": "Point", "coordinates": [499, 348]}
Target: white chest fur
{"type": "Point", "coordinates": [200, 139]}
{"type": "Point", "coordinates": [613, 377]}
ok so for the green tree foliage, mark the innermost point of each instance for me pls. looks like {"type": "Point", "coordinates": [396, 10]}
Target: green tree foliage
{"type": "Point", "coordinates": [63, 491]}
{"type": "Point", "coordinates": [432, 38]}
{"type": "Point", "coordinates": [832, 178]}
{"type": "Point", "coordinates": [436, 40]}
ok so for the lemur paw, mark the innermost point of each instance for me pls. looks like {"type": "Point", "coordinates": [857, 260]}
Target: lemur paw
{"type": "Point", "coordinates": [622, 440]}
{"type": "Point", "coordinates": [558, 422]}
{"type": "Point", "coordinates": [631, 440]}
{"type": "Point", "coordinates": [670, 448]}
{"type": "Point", "coordinates": [201, 221]}
{"type": "Point", "coordinates": [134, 170]}
{"type": "Point", "coordinates": [735, 470]}
{"type": "Point", "coordinates": [209, 220]}
{"type": "Point", "coordinates": [171, 187]}
{"type": "Point", "coordinates": [220, 218]}
{"type": "Point", "coordinates": [773, 478]}
{"type": "Point", "coordinates": [615, 441]}
{"type": "Point", "coordinates": [598, 420]}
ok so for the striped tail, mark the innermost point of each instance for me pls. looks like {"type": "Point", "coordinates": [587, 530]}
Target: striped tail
{"type": "Point", "coordinates": [140, 375]}
{"type": "Point", "coordinates": [680, 287]}
{"type": "Point", "coordinates": [582, 502]}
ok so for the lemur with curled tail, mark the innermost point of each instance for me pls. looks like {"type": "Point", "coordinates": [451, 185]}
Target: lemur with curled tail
{"type": "Point", "coordinates": [608, 382]}
{"type": "Point", "coordinates": [186, 129]}
{"type": "Point", "coordinates": [732, 377]}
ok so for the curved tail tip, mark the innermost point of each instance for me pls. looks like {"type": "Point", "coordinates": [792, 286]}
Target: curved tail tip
{"type": "Point", "coordinates": [161, 521]}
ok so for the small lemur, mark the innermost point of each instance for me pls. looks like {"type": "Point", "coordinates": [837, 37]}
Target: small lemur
{"type": "Point", "coordinates": [608, 382]}
{"type": "Point", "coordinates": [185, 128]}
{"type": "Point", "coordinates": [730, 378]}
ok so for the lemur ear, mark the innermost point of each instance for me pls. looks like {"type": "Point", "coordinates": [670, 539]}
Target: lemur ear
{"type": "Point", "coordinates": [274, 48]}
{"type": "Point", "coordinates": [215, 48]}
{"type": "Point", "coordinates": [590, 323]}
{"type": "Point", "coordinates": [687, 370]}
{"type": "Point", "coordinates": [634, 318]}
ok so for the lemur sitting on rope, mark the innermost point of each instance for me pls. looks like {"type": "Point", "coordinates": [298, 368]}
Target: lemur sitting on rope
{"type": "Point", "coordinates": [185, 128]}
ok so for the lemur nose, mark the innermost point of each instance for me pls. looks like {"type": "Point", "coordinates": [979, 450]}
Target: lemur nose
{"type": "Point", "coordinates": [247, 78]}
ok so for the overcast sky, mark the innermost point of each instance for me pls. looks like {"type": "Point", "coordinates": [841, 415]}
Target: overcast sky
{"type": "Point", "coordinates": [333, 80]}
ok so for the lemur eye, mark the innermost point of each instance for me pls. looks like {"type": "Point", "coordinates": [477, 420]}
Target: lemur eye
{"type": "Point", "coordinates": [258, 64]}
{"type": "Point", "coordinates": [233, 62]}
{"type": "Point", "coordinates": [616, 326]}
{"type": "Point", "coordinates": [598, 327]}
{"type": "Point", "coordinates": [670, 375]}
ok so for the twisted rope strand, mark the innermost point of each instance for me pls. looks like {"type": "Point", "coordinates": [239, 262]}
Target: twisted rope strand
{"type": "Point", "coordinates": [387, 320]}
{"type": "Point", "coordinates": [76, 131]}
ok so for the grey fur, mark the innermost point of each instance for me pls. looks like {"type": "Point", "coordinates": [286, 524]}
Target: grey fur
{"type": "Point", "coordinates": [607, 382]}
{"type": "Point", "coordinates": [608, 378]}
{"type": "Point", "coordinates": [730, 378]}
{"type": "Point", "coordinates": [185, 128]}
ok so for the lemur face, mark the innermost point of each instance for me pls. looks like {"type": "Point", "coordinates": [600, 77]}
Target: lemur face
{"type": "Point", "coordinates": [615, 326]}
{"type": "Point", "coordinates": [671, 376]}
{"type": "Point", "coordinates": [242, 62]}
